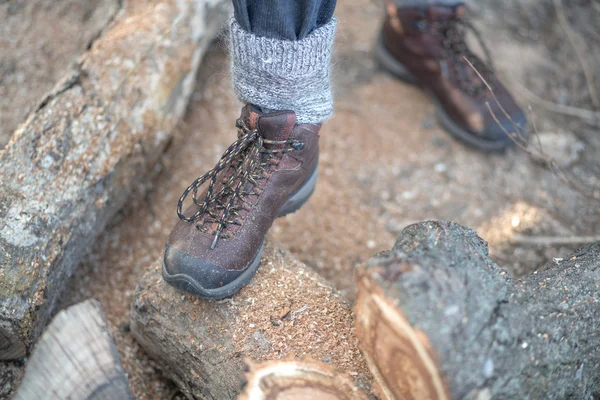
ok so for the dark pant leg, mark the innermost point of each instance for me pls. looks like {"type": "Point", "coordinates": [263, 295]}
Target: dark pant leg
{"type": "Point", "coordinates": [283, 19]}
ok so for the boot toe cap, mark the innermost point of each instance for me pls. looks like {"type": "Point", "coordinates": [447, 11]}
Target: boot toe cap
{"type": "Point", "coordinates": [515, 125]}
{"type": "Point", "coordinates": [193, 274]}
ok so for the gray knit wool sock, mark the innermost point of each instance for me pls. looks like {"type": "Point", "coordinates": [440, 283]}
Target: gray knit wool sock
{"type": "Point", "coordinates": [282, 74]}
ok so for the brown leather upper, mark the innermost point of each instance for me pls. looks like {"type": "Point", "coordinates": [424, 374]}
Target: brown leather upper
{"type": "Point", "coordinates": [239, 243]}
{"type": "Point", "coordinates": [426, 43]}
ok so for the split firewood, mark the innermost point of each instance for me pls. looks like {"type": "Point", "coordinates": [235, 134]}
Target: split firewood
{"type": "Point", "coordinates": [437, 319]}
{"type": "Point", "coordinates": [294, 380]}
{"type": "Point", "coordinates": [75, 160]}
{"type": "Point", "coordinates": [286, 311]}
{"type": "Point", "coordinates": [75, 359]}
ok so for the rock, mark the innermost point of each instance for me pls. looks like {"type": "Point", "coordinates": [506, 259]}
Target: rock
{"type": "Point", "coordinates": [564, 148]}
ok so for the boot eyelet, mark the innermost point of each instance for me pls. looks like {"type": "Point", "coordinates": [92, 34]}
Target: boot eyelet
{"type": "Point", "coordinates": [420, 25]}
{"type": "Point", "coordinates": [298, 145]}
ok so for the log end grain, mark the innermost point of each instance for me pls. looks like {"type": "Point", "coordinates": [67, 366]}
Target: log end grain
{"type": "Point", "coordinates": [75, 359]}
{"type": "Point", "coordinates": [294, 380]}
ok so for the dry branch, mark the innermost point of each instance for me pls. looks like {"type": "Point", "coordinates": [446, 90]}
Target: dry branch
{"type": "Point", "coordinates": [588, 116]}
{"type": "Point", "coordinates": [518, 138]}
{"type": "Point", "coordinates": [579, 52]}
{"type": "Point", "coordinates": [289, 380]}
{"type": "Point", "coordinates": [553, 240]}
{"type": "Point", "coordinates": [437, 319]}
{"type": "Point", "coordinates": [73, 163]}
{"type": "Point", "coordinates": [286, 311]}
{"type": "Point", "coordinates": [75, 359]}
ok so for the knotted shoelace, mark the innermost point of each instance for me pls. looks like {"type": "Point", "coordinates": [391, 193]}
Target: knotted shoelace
{"type": "Point", "coordinates": [245, 158]}
{"type": "Point", "coordinates": [453, 33]}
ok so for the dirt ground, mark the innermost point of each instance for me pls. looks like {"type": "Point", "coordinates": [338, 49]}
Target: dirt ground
{"type": "Point", "coordinates": [35, 53]}
{"type": "Point", "coordinates": [385, 163]}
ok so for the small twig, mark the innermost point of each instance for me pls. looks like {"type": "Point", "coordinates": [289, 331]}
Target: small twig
{"type": "Point", "coordinates": [589, 76]}
{"type": "Point", "coordinates": [589, 116]}
{"type": "Point", "coordinates": [554, 240]}
{"type": "Point", "coordinates": [298, 311]}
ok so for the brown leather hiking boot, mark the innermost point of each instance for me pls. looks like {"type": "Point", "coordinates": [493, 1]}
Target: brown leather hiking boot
{"type": "Point", "coordinates": [270, 171]}
{"type": "Point", "coordinates": [427, 47]}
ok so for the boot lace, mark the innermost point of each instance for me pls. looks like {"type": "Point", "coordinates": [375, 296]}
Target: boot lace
{"type": "Point", "coordinates": [452, 34]}
{"type": "Point", "coordinates": [246, 164]}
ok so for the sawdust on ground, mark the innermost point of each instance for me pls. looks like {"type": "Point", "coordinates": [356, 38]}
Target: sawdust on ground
{"type": "Point", "coordinates": [297, 314]}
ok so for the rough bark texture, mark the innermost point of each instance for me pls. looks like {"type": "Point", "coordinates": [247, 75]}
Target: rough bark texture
{"type": "Point", "coordinates": [438, 319]}
{"type": "Point", "coordinates": [286, 311]}
{"type": "Point", "coordinates": [295, 380]}
{"type": "Point", "coordinates": [75, 359]}
{"type": "Point", "coordinates": [73, 163]}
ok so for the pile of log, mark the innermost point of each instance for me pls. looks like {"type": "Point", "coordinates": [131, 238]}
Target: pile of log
{"type": "Point", "coordinates": [435, 319]}
{"type": "Point", "coordinates": [71, 166]}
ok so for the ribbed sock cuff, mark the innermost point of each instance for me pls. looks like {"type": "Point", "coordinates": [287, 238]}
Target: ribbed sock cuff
{"type": "Point", "coordinates": [282, 74]}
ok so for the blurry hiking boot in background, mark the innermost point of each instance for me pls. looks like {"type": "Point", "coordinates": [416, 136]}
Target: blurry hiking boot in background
{"type": "Point", "coordinates": [426, 46]}
{"type": "Point", "coordinates": [270, 171]}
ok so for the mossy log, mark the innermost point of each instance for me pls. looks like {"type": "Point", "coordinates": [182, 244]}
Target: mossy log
{"type": "Point", "coordinates": [437, 319]}
{"type": "Point", "coordinates": [72, 164]}
{"type": "Point", "coordinates": [286, 311]}
{"type": "Point", "coordinates": [294, 380]}
{"type": "Point", "coordinates": [75, 359]}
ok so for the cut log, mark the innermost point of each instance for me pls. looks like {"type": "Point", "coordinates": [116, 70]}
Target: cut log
{"type": "Point", "coordinates": [73, 163]}
{"type": "Point", "coordinates": [286, 311]}
{"type": "Point", "coordinates": [437, 319]}
{"type": "Point", "coordinates": [75, 359]}
{"type": "Point", "coordinates": [295, 380]}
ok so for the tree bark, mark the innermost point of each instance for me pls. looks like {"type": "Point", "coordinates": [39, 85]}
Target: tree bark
{"type": "Point", "coordinates": [286, 311]}
{"type": "Point", "coordinates": [73, 163]}
{"type": "Point", "coordinates": [293, 379]}
{"type": "Point", "coordinates": [75, 359]}
{"type": "Point", "coordinates": [437, 319]}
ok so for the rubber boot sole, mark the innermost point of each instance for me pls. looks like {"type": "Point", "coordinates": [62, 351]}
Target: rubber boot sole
{"type": "Point", "coordinates": [396, 68]}
{"type": "Point", "coordinates": [189, 285]}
